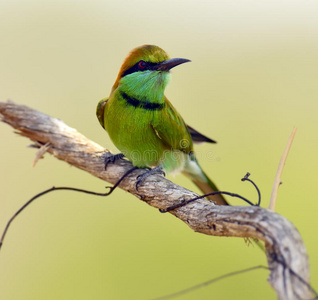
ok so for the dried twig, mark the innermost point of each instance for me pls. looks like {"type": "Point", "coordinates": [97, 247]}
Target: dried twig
{"type": "Point", "coordinates": [277, 181]}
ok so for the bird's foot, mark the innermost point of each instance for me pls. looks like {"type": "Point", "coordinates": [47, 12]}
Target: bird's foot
{"type": "Point", "coordinates": [142, 177]}
{"type": "Point", "coordinates": [111, 158]}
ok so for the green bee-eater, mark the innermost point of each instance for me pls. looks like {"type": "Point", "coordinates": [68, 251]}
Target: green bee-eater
{"type": "Point", "coordinates": [144, 125]}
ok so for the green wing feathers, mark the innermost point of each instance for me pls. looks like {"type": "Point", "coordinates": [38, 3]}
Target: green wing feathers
{"type": "Point", "coordinates": [100, 111]}
{"type": "Point", "coordinates": [171, 129]}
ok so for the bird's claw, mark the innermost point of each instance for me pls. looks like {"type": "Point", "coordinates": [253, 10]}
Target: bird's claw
{"type": "Point", "coordinates": [111, 158]}
{"type": "Point", "coordinates": [142, 177]}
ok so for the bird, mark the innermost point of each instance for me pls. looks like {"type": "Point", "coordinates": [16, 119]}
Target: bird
{"type": "Point", "coordinates": [143, 124]}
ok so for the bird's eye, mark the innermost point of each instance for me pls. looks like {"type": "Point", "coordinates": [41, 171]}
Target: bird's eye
{"type": "Point", "coordinates": [142, 64]}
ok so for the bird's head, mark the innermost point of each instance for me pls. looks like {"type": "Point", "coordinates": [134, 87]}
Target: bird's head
{"type": "Point", "coordinates": [146, 69]}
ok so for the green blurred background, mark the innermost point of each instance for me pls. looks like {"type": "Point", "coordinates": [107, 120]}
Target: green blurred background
{"type": "Point", "coordinates": [253, 77]}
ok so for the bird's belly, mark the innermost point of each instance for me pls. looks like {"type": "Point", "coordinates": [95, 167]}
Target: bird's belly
{"type": "Point", "coordinates": [133, 135]}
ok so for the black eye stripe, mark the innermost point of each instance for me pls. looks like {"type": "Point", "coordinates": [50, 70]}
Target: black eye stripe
{"type": "Point", "coordinates": [136, 68]}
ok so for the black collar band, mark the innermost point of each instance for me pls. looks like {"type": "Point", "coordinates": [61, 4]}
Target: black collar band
{"type": "Point", "coordinates": [142, 104]}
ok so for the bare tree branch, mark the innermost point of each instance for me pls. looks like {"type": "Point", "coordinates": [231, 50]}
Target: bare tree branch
{"type": "Point", "coordinates": [285, 251]}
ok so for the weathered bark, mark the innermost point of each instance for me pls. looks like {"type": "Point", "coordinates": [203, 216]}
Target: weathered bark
{"type": "Point", "coordinates": [285, 251]}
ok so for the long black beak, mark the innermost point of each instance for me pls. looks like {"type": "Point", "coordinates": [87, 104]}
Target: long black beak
{"type": "Point", "coordinates": [170, 63]}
